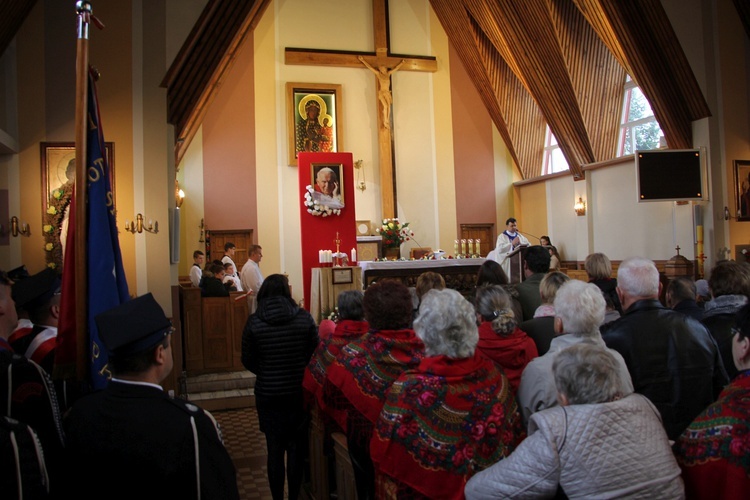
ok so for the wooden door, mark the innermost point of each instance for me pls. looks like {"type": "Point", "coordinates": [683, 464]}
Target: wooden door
{"type": "Point", "coordinates": [485, 233]}
{"type": "Point", "coordinates": [242, 239]}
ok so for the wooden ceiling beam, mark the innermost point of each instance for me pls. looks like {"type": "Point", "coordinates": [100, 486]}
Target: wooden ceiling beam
{"type": "Point", "coordinates": [204, 60]}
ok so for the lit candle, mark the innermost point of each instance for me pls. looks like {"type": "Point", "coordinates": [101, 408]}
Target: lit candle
{"type": "Point", "coordinates": [476, 247]}
{"type": "Point", "coordinates": [354, 255]}
{"type": "Point", "coordinates": [471, 246]}
{"type": "Point", "coordinates": [463, 246]}
{"type": "Point", "coordinates": [455, 247]}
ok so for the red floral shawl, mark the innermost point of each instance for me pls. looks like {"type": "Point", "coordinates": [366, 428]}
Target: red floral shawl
{"type": "Point", "coordinates": [365, 369]}
{"type": "Point", "coordinates": [714, 451]}
{"type": "Point", "coordinates": [512, 352]}
{"type": "Point", "coordinates": [442, 423]}
{"type": "Point", "coordinates": [346, 331]}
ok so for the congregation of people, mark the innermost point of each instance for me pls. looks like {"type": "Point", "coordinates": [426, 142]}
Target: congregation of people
{"type": "Point", "coordinates": [552, 387]}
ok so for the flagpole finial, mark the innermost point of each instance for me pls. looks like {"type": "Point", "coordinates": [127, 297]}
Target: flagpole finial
{"type": "Point", "coordinates": [83, 6]}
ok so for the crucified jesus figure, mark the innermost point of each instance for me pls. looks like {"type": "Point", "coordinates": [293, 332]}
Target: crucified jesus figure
{"type": "Point", "coordinates": [383, 75]}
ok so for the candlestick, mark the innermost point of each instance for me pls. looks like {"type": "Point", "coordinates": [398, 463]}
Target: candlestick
{"type": "Point", "coordinates": [337, 241]}
{"type": "Point", "coordinates": [470, 241]}
{"type": "Point", "coordinates": [463, 246]}
{"type": "Point", "coordinates": [476, 247]}
{"type": "Point", "coordinates": [455, 247]}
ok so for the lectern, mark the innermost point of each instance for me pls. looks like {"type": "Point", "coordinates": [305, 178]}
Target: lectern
{"type": "Point", "coordinates": [516, 264]}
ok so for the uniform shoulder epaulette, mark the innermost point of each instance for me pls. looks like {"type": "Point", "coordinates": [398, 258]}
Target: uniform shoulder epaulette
{"type": "Point", "coordinates": [185, 406]}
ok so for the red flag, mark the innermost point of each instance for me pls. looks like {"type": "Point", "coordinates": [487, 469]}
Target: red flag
{"type": "Point", "coordinates": [65, 352]}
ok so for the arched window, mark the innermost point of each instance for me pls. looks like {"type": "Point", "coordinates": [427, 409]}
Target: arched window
{"type": "Point", "coordinates": [638, 128]}
{"type": "Point", "coordinates": [554, 160]}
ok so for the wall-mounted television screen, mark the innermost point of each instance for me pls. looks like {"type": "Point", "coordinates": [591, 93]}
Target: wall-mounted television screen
{"type": "Point", "coordinates": [671, 175]}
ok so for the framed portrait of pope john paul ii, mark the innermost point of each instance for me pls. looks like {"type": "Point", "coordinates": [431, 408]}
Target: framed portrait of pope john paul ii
{"type": "Point", "coordinates": [314, 113]}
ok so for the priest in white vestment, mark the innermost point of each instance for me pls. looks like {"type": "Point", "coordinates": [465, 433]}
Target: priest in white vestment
{"type": "Point", "coordinates": [507, 241]}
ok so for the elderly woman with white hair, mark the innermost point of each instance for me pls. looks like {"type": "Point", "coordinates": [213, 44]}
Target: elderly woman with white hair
{"type": "Point", "coordinates": [596, 444]}
{"type": "Point", "coordinates": [579, 310]}
{"type": "Point", "coordinates": [449, 418]}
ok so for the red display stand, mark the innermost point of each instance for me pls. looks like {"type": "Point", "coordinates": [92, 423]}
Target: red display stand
{"type": "Point", "coordinates": [318, 233]}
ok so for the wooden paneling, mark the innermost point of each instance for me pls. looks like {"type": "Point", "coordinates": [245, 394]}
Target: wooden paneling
{"type": "Point", "coordinates": [192, 328]}
{"type": "Point", "coordinates": [204, 59]}
{"type": "Point", "coordinates": [12, 15]}
{"type": "Point", "coordinates": [563, 63]}
{"type": "Point", "coordinates": [217, 345]}
{"type": "Point", "coordinates": [212, 331]}
{"type": "Point", "coordinates": [485, 233]}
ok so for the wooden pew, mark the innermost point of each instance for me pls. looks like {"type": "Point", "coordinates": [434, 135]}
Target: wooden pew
{"type": "Point", "coordinates": [318, 459]}
{"type": "Point", "coordinates": [345, 485]}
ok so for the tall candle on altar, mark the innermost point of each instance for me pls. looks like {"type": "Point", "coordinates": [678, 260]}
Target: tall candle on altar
{"type": "Point", "coordinates": [455, 247]}
{"type": "Point", "coordinates": [476, 247]}
{"type": "Point", "coordinates": [463, 246]}
{"type": "Point", "coordinates": [471, 246]}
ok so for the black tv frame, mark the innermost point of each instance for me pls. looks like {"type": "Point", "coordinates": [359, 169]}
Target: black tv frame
{"type": "Point", "coordinates": [671, 175]}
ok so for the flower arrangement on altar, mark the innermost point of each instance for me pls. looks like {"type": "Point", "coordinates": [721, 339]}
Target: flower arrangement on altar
{"type": "Point", "coordinates": [394, 233]}
{"type": "Point", "coordinates": [317, 209]}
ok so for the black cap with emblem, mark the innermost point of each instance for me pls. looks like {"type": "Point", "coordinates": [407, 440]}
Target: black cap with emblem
{"type": "Point", "coordinates": [133, 326]}
{"type": "Point", "coordinates": [35, 290]}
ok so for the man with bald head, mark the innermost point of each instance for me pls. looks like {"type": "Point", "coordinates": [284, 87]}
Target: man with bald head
{"type": "Point", "coordinates": [672, 358]}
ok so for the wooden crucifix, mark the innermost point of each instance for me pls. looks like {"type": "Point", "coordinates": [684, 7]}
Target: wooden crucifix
{"type": "Point", "coordinates": [383, 64]}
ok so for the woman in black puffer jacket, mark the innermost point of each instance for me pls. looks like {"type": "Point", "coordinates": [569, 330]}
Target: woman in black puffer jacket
{"type": "Point", "coordinates": [277, 343]}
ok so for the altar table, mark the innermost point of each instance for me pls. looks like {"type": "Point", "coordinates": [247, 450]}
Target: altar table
{"type": "Point", "coordinates": [459, 274]}
{"type": "Point", "coordinates": [324, 293]}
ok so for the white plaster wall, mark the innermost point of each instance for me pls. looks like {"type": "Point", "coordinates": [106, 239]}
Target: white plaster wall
{"type": "Point", "coordinates": [623, 227]}
{"type": "Point", "coordinates": [562, 221]}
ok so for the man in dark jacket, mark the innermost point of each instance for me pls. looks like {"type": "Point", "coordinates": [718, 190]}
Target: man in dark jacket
{"type": "Point", "coordinates": [131, 440]}
{"type": "Point", "coordinates": [681, 298]}
{"type": "Point", "coordinates": [672, 358]}
{"type": "Point", "coordinates": [535, 266]}
{"type": "Point", "coordinates": [277, 343]}
{"type": "Point", "coordinates": [730, 288]}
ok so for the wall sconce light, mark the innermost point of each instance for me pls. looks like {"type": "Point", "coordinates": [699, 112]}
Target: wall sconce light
{"type": "Point", "coordinates": [16, 228]}
{"type": "Point", "coordinates": [179, 194]}
{"type": "Point", "coordinates": [137, 226]}
{"type": "Point", "coordinates": [728, 215]}
{"type": "Point", "coordinates": [360, 178]}
{"type": "Point", "coordinates": [580, 206]}
{"type": "Point", "coordinates": [202, 227]}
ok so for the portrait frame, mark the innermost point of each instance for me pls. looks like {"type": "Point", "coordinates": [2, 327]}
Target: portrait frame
{"type": "Point", "coordinates": [329, 99]}
{"type": "Point", "coordinates": [338, 168]}
{"type": "Point", "coordinates": [742, 189]}
{"type": "Point", "coordinates": [56, 158]}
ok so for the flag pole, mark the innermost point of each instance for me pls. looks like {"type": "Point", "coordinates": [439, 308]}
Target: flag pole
{"type": "Point", "coordinates": [83, 9]}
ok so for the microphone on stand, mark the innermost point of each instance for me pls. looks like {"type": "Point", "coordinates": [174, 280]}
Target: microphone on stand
{"type": "Point", "coordinates": [533, 236]}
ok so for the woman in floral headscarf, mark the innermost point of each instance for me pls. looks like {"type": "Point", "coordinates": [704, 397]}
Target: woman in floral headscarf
{"type": "Point", "coordinates": [714, 451]}
{"type": "Point", "coordinates": [357, 381]}
{"type": "Point", "coordinates": [449, 418]}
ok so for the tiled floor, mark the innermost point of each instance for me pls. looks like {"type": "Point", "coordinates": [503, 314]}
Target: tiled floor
{"type": "Point", "coordinates": [247, 447]}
